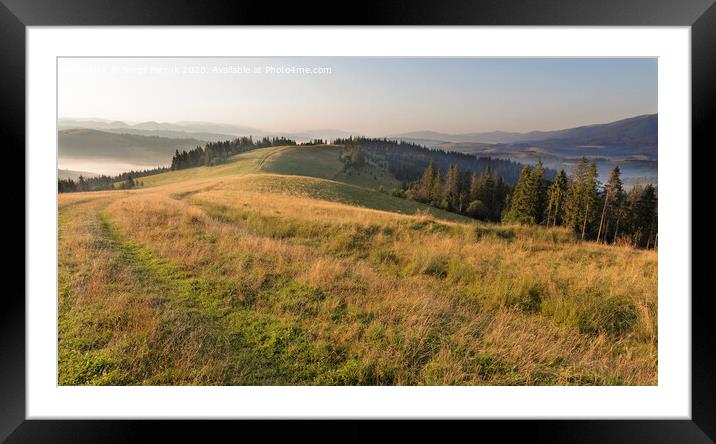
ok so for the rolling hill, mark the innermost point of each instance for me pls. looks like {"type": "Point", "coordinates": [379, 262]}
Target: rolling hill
{"type": "Point", "coordinates": [124, 148]}
{"type": "Point", "coordinates": [311, 162]}
{"type": "Point", "coordinates": [324, 162]}
{"type": "Point", "coordinates": [278, 269]}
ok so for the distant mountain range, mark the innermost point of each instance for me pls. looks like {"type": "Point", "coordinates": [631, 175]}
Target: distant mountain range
{"type": "Point", "coordinates": [205, 131]}
{"type": "Point", "coordinates": [74, 175]}
{"type": "Point", "coordinates": [634, 131]}
{"type": "Point", "coordinates": [630, 143]}
{"type": "Point", "coordinates": [639, 130]}
{"type": "Point", "coordinates": [198, 127]}
{"type": "Point", "coordinates": [94, 144]}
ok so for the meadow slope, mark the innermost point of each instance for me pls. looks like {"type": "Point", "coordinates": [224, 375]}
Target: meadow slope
{"type": "Point", "coordinates": [253, 273]}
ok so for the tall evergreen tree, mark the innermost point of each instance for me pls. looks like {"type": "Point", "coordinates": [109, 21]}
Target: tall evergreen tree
{"type": "Point", "coordinates": [474, 187]}
{"type": "Point", "coordinates": [556, 195]}
{"type": "Point", "coordinates": [581, 201]}
{"type": "Point", "coordinates": [521, 205]}
{"type": "Point", "coordinates": [486, 192]}
{"type": "Point", "coordinates": [425, 189]}
{"type": "Point", "coordinates": [630, 226]}
{"type": "Point", "coordinates": [573, 198]}
{"type": "Point", "coordinates": [464, 200]}
{"type": "Point", "coordinates": [451, 190]}
{"type": "Point", "coordinates": [645, 214]}
{"type": "Point", "coordinates": [436, 192]}
{"type": "Point", "coordinates": [538, 191]}
{"type": "Point", "coordinates": [590, 197]}
{"type": "Point", "coordinates": [499, 199]}
{"type": "Point", "coordinates": [611, 203]}
{"type": "Point", "coordinates": [527, 203]}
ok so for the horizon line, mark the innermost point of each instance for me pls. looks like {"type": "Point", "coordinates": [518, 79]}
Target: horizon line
{"type": "Point", "coordinates": [128, 122]}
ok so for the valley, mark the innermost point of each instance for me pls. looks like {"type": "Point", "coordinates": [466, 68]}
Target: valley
{"type": "Point", "coordinates": [631, 144]}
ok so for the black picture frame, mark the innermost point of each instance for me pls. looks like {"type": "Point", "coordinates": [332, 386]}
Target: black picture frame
{"type": "Point", "coordinates": [16, 15]}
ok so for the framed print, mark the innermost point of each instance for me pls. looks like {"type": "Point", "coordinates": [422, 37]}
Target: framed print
{"type": "Point", "coordinates": [380, 219]}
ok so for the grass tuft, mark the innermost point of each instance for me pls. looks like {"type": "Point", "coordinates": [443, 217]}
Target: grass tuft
{"type": "Point", "coordinates": [615, 316]}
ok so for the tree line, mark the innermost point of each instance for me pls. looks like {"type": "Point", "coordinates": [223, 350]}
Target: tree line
{"type": "Point", "coordinates": [214, 153]}
{"type": "Point", "coordinates": [481, 196]}
{"type": "Point", "coordinates": [603, 213]}
{"type": "Point", "coordinates": [407, 161]}
{"type": "Point", "coordinates": [124, 181]}
{"type": "Point", "coordinates": [314, 142]}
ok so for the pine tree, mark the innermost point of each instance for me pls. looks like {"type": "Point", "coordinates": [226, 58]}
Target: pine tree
{"type": "Point", "coordinates": [630, 226]}
{"type": "Point", "coordinates": [175, 160]}
{"type": "Point", "coordinates": [521, 210]}
{"type": "Point", "coordinates": [436, 192]}
{"type": "Point", "coordinates": [486, 192]}
{"type": "Point", "coordinates": [556, 195]}
{"type": "Point", "coordinates": [612, 201]}
{"type": "Point", "coordinates": [499, 199]}
{"type": "Point", "coordinates": [474, 187]}
{"type": "Point", "coordinates": [581, 200]}
{"type": "Point", "coordinates": [425, 189]}
{"type": "Point", "coordinates": [590, 197]}
{"type": "Point", "coordinates": [645, 213]}
{"type": "Point", "coordinates": [572, 200]}
{"type": "Point", "coordinates": [464, 190]}
{"type": "Point", "coordinates": [527, 203]}
{"type": "Point", "coordinates": [537, 192]}
{"type": "Point", "coordinates": [451, 191]}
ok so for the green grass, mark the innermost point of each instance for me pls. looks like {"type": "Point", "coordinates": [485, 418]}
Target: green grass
{"type": "Point", "coordinates": [324, 162]}
{"type": "Point", "coordinates": [254, 348]}
{"type": "Point", "coordinates": [309, 164]}
{"type": "Point", "coordinates": [240, 164]}
{"type": "Point", "coordinates": [334, 191]}
{"type": "Point", "coordinates": [314, 161]}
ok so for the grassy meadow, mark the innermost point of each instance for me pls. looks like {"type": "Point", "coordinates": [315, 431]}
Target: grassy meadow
{"type": "Point", "coordinates": [280, 269]}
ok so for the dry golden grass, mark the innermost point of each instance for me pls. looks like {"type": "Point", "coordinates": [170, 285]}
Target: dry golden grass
{"type": "Point", "coordinates": [257, 279]}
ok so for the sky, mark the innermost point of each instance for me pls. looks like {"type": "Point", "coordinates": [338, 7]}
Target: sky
{"type": "Point", "coordinates": [367, 96]}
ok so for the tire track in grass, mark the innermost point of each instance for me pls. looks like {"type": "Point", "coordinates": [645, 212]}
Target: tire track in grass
{"type": "Point", "coordinates": [95, 314]}
{"type": "Point", "coordinates": [213, 340]}
{"type": "Point", "coordinates": [263, 160]}
{"type": "Point", "coordinates": [120, 321]}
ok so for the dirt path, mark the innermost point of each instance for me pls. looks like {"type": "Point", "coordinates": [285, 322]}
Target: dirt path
{"type": "Point", "coordinates": [266, 157]}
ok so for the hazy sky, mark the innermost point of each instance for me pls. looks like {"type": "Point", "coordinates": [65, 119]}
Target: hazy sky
{"type": "Point", "coordinates": [371, 96]}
